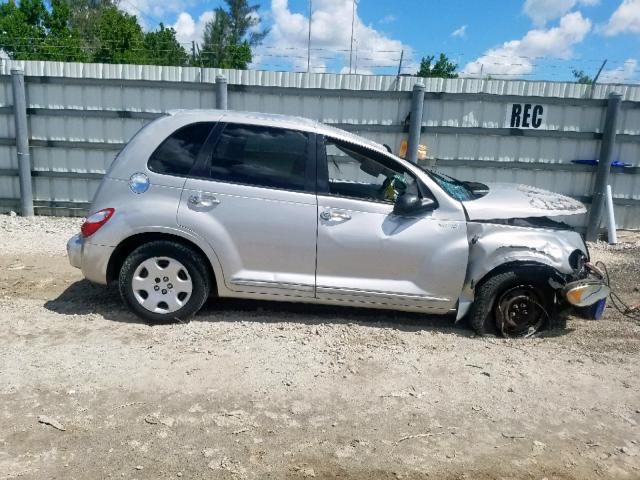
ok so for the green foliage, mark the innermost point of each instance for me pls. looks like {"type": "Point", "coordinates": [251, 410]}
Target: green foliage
{"type": "Point", "coordinates": [443, 67]}
{"type": "Point", "coordinates": [582, 77]}
{"type": "Point", "coordinates": [83, 31]}
{"type": "Point", "coordinates": [32, 32]}
{"type": "Point", "coordinates": [162, 48]}
{"type": "Point", "coordinates": [119, 38]}
{"type": "Point", "coordinates": [229, 36]}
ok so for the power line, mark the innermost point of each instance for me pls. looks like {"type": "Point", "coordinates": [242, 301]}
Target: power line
{"type": "Point", "coordinates": [144, 14]}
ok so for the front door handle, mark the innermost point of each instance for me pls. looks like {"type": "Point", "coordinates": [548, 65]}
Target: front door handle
{"type": "Point", "coordinates": [203, 200]}
{"type": "Point", "coordinates": [332, 215]}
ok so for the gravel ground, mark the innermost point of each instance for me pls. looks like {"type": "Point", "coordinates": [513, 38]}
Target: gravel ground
{"type": "Point", "coordinates": [275, 390]}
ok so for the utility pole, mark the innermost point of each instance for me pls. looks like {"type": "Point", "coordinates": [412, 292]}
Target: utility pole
{"type": "Point", "coordinates": [591, 89]}
{"type": "Point", "coordinates": [355, 63]}
{"type": "Point", "coordinates": [595, 79]}
{"type": "Point", "coordinates": [309, 41]}
{"type": "Point", "coordinates": [400, 63]}
{"type": "Point", "coordinates": [353, 21]}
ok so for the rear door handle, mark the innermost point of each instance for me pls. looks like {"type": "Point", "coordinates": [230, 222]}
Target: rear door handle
{"type": "Point", "coordinates": [203, 200]}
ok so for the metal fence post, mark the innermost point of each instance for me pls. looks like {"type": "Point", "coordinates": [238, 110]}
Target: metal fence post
{"type": "Point", "coordinates": [221, 92]}
{"type": "Point", "coordinates": [22, 142]}
{"type": "Point", "coordinates": [604, 166]}
{"type": "Point", "coordinates": [415, 126]}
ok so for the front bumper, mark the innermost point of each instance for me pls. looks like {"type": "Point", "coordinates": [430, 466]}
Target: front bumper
{"type": "Point", "coordinates": [92, 259]}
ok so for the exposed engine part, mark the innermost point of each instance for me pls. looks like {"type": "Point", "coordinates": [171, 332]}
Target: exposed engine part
{"type": "Point", "coordinates": [530, 222]}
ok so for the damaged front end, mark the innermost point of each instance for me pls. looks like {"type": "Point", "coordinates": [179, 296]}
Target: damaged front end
{"type": "Point", "coordinates": [511, 226]}
{"type": "Point", "coordinates": [536, 243]}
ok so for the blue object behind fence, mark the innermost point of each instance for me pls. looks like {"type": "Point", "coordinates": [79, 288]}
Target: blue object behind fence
{"type": "Point", "coordinates": [615, 163]}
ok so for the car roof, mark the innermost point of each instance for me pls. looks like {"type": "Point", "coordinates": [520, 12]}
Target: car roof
{"type": "Point", "coordinates": [280, 121]}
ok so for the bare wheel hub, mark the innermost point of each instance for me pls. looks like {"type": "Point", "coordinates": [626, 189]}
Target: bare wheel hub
{"type": "Point", "coordinates": [520, 312]}
{"type": "Point", "coordinates": [162, 285]}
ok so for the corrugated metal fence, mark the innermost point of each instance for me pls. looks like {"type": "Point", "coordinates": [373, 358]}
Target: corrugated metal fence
{"type": "Point", "coordinates": [80, 115]}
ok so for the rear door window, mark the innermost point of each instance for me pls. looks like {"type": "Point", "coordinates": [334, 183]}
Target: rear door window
{"type": "Point", "coordinates": [178, 153]}
{"type": "Point", "coordinates": [260, 156]}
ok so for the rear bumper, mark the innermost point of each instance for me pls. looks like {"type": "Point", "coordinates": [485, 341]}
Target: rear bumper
{"type": "Point", "coordinates": [90, 258]}
{"type": "Point", "coordinates": [74, 251]}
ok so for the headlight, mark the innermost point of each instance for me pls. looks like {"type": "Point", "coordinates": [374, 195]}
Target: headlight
{"type": "Point", "coordinates": [583, 293]}
{"type": "Point", "coordinates": [577, 259]}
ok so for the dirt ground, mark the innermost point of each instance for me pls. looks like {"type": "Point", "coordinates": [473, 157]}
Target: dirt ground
{"type": "Point", "coordinates": [274, 390]}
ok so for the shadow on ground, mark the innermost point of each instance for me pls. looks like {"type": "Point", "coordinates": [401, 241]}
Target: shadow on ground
{"type": "Point", "coordinates": [85, 298]}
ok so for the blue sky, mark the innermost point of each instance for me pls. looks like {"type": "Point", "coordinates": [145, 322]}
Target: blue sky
{"type": "Point", "coordinates": [532, 39]}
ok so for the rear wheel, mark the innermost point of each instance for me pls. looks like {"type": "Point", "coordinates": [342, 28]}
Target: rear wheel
{"type": "Point", "coordinates": [517, 303]}
{"type": "Point", "coordinates": [164, 281]}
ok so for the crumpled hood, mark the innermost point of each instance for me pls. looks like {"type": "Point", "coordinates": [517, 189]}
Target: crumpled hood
{"type": "Point", "coordinates": [507, 200]}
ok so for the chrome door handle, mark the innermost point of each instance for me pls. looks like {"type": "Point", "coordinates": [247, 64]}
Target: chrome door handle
{"type": "Point", "coordinates": [201, 200]}
{"type": "Point", "coordinates": [340, 216]}
{"type": "Point", "coordinates": [328, 215]}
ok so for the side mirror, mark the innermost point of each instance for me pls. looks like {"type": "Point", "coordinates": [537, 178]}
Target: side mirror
{"type": "Point", "coordinates": [408, 203]}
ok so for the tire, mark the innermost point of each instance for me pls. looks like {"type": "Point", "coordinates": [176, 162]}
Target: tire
{"type": "Point", "coordinates": [515, 303]}
{"type": "Point", "coordinates": [164, 281]}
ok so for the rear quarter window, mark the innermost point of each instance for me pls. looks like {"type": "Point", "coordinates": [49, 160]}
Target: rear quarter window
{"type": "Point", "coordinates": [178, 153]}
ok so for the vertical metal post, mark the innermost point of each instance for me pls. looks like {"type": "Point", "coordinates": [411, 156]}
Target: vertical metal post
{"type": "Point", "coordinates": [604, 166]}
{"type": "Point", "coordinates": [611, 218]}
{"type": "Point", "coordinates": [415, 125]}
{"type": "Point", "coordinates": [22, 142]}
{"type": "Point", "coordinates": [221, 92]}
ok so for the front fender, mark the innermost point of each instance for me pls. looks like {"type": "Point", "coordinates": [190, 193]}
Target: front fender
{"type": "Point", "coordinates": [492, 246]}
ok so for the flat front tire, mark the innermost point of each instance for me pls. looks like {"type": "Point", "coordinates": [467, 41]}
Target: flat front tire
{"type": "Point", "coordinates": [515, 303]}
{"type": "Point", "coordinates": [164, 281]}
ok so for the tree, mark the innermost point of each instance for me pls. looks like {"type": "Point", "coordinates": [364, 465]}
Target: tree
{"type": "Point", "coordinates": [162, 47]}
{"type": "Point", "coordinates": [32, 32]}
{"type": "Point", "coordinates": [582, 77]}
{"type": "Point", "coordinates": [443, 68]}
{"type": "Point", "coordinates": [84, 16]}
{"type": "Point", "coordinates": [119, 38]}
{"type": "Point", "coordinates": [86, 31]}
{"type": "Point", "coordinates": [229, 36]}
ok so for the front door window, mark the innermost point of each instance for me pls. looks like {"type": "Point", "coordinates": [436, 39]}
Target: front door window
{"type": "Point", "coordinates": [354, 172]}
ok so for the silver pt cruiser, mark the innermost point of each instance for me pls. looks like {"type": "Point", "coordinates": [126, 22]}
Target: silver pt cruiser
{"type": "Point", "coordinates": [248, 205]}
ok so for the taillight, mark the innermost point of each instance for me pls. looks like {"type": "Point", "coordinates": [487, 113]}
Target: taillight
{"type": "Point", "coordinates": [93, 223]}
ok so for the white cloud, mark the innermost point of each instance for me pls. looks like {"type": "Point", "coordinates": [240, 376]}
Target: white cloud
{"type": "Point", "coordinates": [542, 11]}
{"type": "Point", "coordinates": [460, 32]}
{"type": "Point", "coordinates": [188, 30]}
{"type": "Point", "coordinates": [626, 18]}
{"type": "Point", "coordinates": [516, 57]}
{"type": "Point", "coordinates": [286, 43]}
{"type": "Point", "coordinates": [150, 11]}
{"type": "Point", "coordinates": [622, 74]}
{"type": "Point", "coordinates": [387, 19]}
